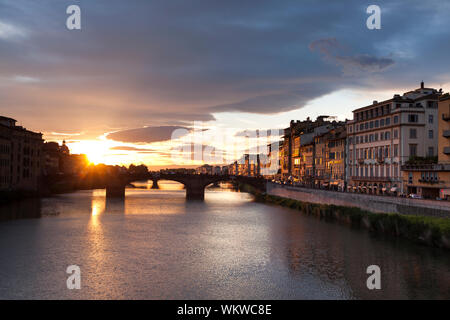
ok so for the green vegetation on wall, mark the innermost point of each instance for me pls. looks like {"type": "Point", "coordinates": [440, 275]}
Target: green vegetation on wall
{"type": "Point", "coordinates": [427, 230]}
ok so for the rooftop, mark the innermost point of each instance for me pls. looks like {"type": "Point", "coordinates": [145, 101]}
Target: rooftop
{"type": "Point", "coordinates": [410, 96]}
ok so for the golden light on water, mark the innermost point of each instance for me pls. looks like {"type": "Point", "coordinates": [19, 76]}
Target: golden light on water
{"type": "Point", "coordinates": [98, 204]}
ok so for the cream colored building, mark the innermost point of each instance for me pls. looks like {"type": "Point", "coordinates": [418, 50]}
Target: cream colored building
{"type": "Point", "coordinates": [444, 129]}
{"type": "Point", "coordinates": [432, 180]}
{"type": "Point", "coordinates": [385, 135]}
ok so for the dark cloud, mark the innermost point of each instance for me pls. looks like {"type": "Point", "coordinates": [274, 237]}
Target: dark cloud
{"type": "Point", "coordinates": [274, 103]}
{"type": "Point", "coordinates": [331, 49]}
{"type": "Point", "coordinates": [171, 62]}
{"type": "Point", "coordinates": [147, 134]}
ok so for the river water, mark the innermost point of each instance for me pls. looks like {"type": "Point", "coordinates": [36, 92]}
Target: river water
{"type": "Point", "coordinates": [155, 245]}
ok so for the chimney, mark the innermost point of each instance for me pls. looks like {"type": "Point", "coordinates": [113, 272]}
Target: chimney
{"type": "Point", "coordinates": [375, 101]}
{"type": "Point", "coordinates": [422, 85]}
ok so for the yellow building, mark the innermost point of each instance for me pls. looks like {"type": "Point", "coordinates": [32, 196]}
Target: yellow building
{"type": "Point", "coordinates": [307, 159]}
{"type": "Point", "coordinates": [296, 158]}
{"type": "Point", "coordinates": [335, 157]}
{"type": "Point", "coordinates": [321, 175]}
{"type": "Point", "coordinates": [432, 180]}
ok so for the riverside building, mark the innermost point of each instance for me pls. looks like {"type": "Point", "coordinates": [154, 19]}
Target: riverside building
{"type": "Point", "coordinates": [385, 135]}
{"type": "Point", "coordinates": [431, 179]}
{"type": "Point", "coordinates": [21, 157]}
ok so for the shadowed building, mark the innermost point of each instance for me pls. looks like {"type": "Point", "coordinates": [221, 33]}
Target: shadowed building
{"type": "Point", "coordinates": [21, 157]}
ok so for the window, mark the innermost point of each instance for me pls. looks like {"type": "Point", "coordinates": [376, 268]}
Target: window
{"type": "Point", "coordinates": [371, 124]}
{"type": "Point", "coordinates": [430, 134]}
{"type": "Point", "coordinates": [395, 150]}
{"type": "Point", "coordinates": [395, 134]}
{"type": "Point", "coordinates": [377, 123]}
{"type": "Point", "coordinates": [387, 135]}
{"type": "Point", "coordinates": [381, 122]}
{"type": "Point", "coordinates": [430, 118]}
{"type": "Point", "coordinates": [413, 133]}
{"type": "Point", "coordinates": [410, 178]}
{"type": "Point", "coordinates": [366, 125]}
{"type": "Point", "coordinates": [413, 150]}
{"type": "Point", "coordinates": [413, 118]}
{"type": "Point", "coordinates": [430, 151]}
{"type": "Point", "coordinates": [396, 119]}
{"type": "Point", "coordinates": [388, 121]}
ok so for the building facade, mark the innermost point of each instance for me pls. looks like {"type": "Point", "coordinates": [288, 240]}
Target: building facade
{"type": "Point", "coordinates": [336, 158]}
{"type": "Point", "coordinates": [21, 157]}
{"type": "Point", "coordinates": [385, 135]}
{"type": "Point", "coordinates": [431, 179]}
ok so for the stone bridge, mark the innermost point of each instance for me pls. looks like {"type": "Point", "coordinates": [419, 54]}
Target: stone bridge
{"type": "Point", "coordinates": [194, 183]}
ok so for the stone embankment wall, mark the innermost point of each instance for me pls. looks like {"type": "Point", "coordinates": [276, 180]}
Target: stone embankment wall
{"type": "Point", "coordinates": [373, 203]}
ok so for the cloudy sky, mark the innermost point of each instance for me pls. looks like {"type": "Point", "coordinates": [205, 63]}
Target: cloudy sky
{"type": "Point", "coordinates": [139, 70]}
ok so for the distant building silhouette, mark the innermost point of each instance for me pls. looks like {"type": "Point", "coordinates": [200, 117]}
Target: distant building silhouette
{"type": "Point", "coordinates": [59, 160]}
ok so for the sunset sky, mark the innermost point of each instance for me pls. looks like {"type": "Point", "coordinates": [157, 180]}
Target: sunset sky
{"type": "Point", "coordinates": [138, 70]}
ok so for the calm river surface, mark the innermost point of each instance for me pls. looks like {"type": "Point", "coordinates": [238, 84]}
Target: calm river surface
{"type": "Point", "coordinates": [155, 245]}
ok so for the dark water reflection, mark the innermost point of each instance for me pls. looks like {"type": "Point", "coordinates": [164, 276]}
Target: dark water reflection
{"type": "Point", "coordinates": [154, 244]}
{"type": "Point", "coordinates": [24, 209]}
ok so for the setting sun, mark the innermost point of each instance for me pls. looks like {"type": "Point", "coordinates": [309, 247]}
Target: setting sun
{"type": "Point", "coordinates": [97, 151]}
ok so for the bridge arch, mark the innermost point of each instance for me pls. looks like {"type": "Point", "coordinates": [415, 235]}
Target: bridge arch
{"type": "Point", "coordinates": [195, 184]}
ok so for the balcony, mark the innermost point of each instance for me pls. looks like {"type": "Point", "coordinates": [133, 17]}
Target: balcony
{"type": "Point", "coordinates": [371, 179]}
{"type": "Point", "coordinates": [446, 133]}
{"type": "Point", "coordinates": [430, 181]}
{"type": "Point", "coordinates": [445, 116]}
{"type": "Point", "coordinates": [426, 167]}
